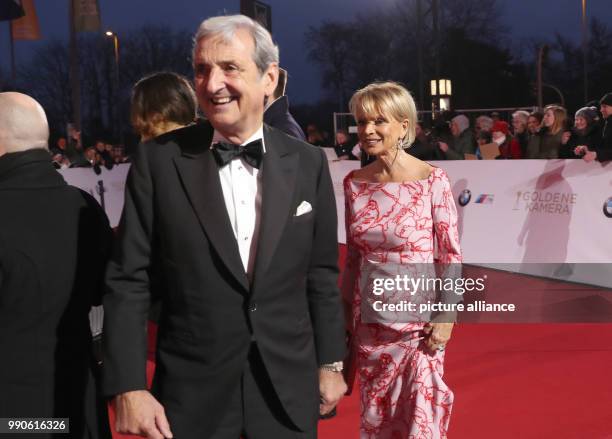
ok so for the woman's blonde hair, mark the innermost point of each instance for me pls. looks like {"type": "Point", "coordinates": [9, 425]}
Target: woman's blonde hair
{"type": "Point", "coordinates": [388, 99]}
{"type": "Point", "coordinates": [560, 114]}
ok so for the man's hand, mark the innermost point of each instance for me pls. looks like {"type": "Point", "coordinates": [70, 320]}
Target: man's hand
{"type": "Point", "coordinates": [443, 146]}
{"type": "Point", "coordinates": [138, 412]}
{"type": "Point", "coordinates": [332, 388]}
{"type": "Point", "coordinates": [437, 334]}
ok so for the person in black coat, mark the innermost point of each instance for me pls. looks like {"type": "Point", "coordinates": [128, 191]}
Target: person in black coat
{"type": "Point", "coordinates": [604, 152]}
{"type": "Point", "coordinates": [586, 131]}
{"type": "Point", "coordinates": [277, 113]}
{"type": "Point", "coordinates": [54, 241]}
{"type": "Point", "coordinates": [422, 148]}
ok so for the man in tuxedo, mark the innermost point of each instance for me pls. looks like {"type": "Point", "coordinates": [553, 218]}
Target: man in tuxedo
{"type": "Point", "coordinates": [239, 221]}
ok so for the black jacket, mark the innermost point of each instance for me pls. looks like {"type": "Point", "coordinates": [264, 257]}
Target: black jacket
{"type": "Point", "coordinates": [175, 219]}
{"type": "Point", "coordinates": [278, 116]}
{"type": "Point", "coordinates": [590, 138]}
{"type": "Point", "coordinates": [54, 240]}
{"type": "Point", "coordinates": [604, 153]}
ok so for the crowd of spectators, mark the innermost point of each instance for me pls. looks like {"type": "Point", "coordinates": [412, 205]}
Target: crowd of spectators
{"type": "Point", "coordinates": [71, 154]}
{"type": "Point", "coordinates": [549, 134]}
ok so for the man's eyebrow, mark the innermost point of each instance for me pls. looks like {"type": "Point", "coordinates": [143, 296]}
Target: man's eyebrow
{"type": "Point", "coordinates": [228, 61]}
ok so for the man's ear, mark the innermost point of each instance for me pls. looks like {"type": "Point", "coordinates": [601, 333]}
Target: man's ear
{"type": "Point", "coordinates": [270, 79]}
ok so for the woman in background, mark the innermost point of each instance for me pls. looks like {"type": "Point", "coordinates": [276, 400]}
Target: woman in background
{"type": "Point", "coordinates": [162, 102]}
{"type": "Point", "coordinates": [399, 211]}
{"type": "Point", "coordinates": [550, 134]}
{"type": "Point", "coordinates": [586, 132]}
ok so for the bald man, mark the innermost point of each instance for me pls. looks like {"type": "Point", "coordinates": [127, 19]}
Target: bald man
{"type": "Point", "coordinates": [54, 241]}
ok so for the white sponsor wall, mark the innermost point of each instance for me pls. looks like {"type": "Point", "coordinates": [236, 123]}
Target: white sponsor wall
{"type": "Point", "coordinates": [523, 212]}
{"type": "Point", "coordinates": [519, 212]}
{"type": "Point", "coordinates": [113, 182]}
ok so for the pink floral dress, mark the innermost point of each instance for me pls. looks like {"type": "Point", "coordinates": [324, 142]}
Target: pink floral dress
{"type": "Point", "coordinates": [401, 388]}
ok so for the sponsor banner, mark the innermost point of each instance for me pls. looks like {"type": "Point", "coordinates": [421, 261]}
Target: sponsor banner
{"type": "Point", "coordinates": [259, 11]}
{"type": "Point", "coordinates": [26, 27]}
{"type": "Point", "coordinates": [109, 183]}
{"type": "Point", "coordinates": [86, 15]}
{"type": "Point", "coordinates": [10, 10]}
{"type": "Point", "coordinates": [543, 218]}
{"type": "Point", "coordinates": [527, 213]}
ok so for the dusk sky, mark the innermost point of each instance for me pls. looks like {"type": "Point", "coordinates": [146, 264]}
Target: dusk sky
{"type": "Point", "coordinates": [290, 20]}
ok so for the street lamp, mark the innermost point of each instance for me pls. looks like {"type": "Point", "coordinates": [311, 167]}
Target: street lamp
{"type": "Point", "coordinates": [585, 42]}
{"type": "Point", "coordinates": [113, 35]}
{"type": "Point", "coordinates": [441, 92]}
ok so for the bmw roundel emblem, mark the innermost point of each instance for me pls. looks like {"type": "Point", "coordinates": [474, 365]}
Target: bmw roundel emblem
{"type": "Point", "coordinates": [465, 197]}
{"type": "Point", "coordinates": [607, 208]}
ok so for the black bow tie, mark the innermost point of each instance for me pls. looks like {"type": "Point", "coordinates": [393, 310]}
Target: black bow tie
{"type": "Point", "coordinates": [252, 153]}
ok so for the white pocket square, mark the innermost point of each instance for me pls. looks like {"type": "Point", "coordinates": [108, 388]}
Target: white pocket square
{"type": "Point", "coordinates": [303, 208]}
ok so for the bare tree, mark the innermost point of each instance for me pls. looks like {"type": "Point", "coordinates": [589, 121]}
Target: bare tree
{"type": "Point", "coordinates": [330, 45]}
{"type": "Point", "coordinates": [46, 78]}
{"type": "Point", "coordinates": [144, 51]}
{"type": "Point", "coordinates": [479, 19]}
{"type": "Point", "coordinates": [152, 49]}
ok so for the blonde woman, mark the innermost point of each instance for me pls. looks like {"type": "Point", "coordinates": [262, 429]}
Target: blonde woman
{"type": "Point", "coordinates": [399, 211]}
{"type": "Point", "coordinates": [550, 136]}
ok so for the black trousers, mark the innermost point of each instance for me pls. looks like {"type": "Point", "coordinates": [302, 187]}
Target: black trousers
{"type": "Point", "coordinates": [255, 412]}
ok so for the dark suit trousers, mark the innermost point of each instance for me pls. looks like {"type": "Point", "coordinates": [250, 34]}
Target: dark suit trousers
{"type": "Point", "coordinates": [255, 412]}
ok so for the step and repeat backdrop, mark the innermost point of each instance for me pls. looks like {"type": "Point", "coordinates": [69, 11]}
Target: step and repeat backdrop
{"type": "Point", "coordinates": [548, 218]}
{"type": "Point", "coordinates": [543, 217]}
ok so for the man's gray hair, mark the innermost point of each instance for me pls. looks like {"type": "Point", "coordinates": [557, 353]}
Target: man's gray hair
{"type": "Point", "coordinates": [463, 123]}
{"type": "Point", "coordinates": [522, 115]}
{"type": "Point", "coordinates": [484, 122]}
{"type": "Point", "coordinates": [265, 53]}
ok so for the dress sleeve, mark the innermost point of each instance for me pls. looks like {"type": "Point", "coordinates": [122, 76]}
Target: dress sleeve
{"type": "Point", "coordinates": [444, 213]}
{"type": "Point", "coordinates": [351, 265]}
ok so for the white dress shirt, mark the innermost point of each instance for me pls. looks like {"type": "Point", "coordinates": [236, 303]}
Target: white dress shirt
{"type": "Point", "coordinates": [241, 185]}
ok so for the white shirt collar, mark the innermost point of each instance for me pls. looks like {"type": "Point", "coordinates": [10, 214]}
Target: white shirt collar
{"type": "Point", "coordinates": [257, 135]}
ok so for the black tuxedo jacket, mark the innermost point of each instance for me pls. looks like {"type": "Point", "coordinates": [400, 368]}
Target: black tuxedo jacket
{"type": "Point", "coordinates": [175, 227]}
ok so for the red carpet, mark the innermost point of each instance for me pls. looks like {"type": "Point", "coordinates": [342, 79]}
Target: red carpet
{"type": "Point", "coordinates": [515, 381]}
{"type": "Point", "coordinates": [518, 381]}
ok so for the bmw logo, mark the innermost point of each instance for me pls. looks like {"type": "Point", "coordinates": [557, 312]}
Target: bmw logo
{"type": "Point", "coordinates": [607, 208]}
{"type": "Point", "coordinates": [465, 197]}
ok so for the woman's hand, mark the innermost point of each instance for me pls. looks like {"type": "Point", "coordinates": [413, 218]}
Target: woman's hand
{"type": "Point", "coordinates": [581, 150]}
{"type": "Point", "coordinates": [437, 335]}
{"type": "Point", "coordinates": [565, 137]}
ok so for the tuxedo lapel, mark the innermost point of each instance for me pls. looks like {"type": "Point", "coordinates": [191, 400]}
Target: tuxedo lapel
{"type": "Point", "coordinates": [199, 174]}
{"type": "Point", "coordinates": [279, 171]}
